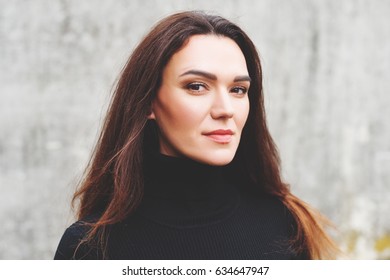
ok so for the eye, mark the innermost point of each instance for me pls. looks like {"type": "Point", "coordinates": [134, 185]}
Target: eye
{"type": "Point", "coordinates": [239, 90]}
{"type": "Point", "coordinates": [196, 87]}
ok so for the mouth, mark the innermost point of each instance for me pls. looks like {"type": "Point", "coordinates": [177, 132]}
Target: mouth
{"type": "Point", "coordinates": [221, 136]}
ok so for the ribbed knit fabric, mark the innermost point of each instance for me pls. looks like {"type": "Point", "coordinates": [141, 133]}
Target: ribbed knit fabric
{"type": "Point", "coordinates": [192, 211]}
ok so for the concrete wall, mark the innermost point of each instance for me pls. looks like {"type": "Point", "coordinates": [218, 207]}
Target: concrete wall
{"type": "Point", "coordinates": [326, 67]}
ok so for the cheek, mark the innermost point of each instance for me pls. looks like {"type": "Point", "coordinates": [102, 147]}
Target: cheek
{"type": "Point", "coordinates": [242, 113]}
{"type": "Point", "coordinates": [180, 113]}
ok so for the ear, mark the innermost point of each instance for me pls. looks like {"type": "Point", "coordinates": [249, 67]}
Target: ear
{"type": "Point", "coordinates": [151, 115]}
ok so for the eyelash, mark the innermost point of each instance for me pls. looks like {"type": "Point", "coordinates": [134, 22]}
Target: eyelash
{"type": "Point", "coordinates": [191, 86]}
{"type": "Point", "coordinates": [243, 89]}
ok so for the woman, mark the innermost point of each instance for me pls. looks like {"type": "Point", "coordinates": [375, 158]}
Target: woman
{"type": "Point", "coordinates": [185, 167]}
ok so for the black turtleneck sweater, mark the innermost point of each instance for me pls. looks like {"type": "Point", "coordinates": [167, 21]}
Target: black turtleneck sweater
{"type": "Point", "coordinates": [192, 211]}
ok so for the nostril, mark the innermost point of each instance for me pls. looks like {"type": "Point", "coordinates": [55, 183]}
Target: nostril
{"type": "Point", "coordinates": [221, 113]}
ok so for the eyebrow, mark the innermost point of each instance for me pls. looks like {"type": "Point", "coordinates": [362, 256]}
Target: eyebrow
{"type": "Point", "coordinates": [213, 77]}
{"type": "Point", "coordinates": [242, 78]}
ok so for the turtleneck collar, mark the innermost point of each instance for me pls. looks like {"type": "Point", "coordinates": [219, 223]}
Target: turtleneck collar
{"type": "Point", "coordinates": [182, 192]}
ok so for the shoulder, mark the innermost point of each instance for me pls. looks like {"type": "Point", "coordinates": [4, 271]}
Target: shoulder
{"type": "Point", "coordinates": [272, 211]}
{"type": "Point", "coordinates": [283, 223]}
{"type": "Point", "coordinates": [71, 245]}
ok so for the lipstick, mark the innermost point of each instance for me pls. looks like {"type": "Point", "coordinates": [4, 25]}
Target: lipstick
{"type": "Point", "coordinates": [221, 136]}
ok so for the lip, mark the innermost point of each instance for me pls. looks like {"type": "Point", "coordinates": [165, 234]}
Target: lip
{"type": "Point", "coordinates": [221, 136]}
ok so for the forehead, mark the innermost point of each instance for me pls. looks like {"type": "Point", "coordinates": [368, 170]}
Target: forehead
{"type": "Point", "coordinates": [216, 54]}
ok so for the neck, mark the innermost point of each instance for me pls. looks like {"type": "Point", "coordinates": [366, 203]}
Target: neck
{"type": "Point", "coordinates": [182, 191]}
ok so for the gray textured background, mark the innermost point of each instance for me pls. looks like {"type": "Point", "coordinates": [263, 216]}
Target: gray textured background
{"type": "Point", "coordinates": [326, 68]}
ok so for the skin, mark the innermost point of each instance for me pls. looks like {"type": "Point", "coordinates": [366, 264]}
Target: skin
{"type": "Point", "coordinates": [204, 89]}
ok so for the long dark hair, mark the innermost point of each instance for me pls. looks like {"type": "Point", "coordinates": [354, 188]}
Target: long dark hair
{"type": "Point", "coordinates": [113, 181]}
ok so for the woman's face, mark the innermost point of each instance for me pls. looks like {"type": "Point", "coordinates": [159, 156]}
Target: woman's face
{"type": "Point", "coordinates": [202, 104]}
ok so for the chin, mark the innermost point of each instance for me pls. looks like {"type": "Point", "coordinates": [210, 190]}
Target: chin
{"type": "Point", "coordinates": [219, 163]}
{"type": "Point", "coordinates": [215, 159]}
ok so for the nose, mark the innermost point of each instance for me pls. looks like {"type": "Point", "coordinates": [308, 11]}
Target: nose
{"type": "Point", "coordinates": [222, 107]}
